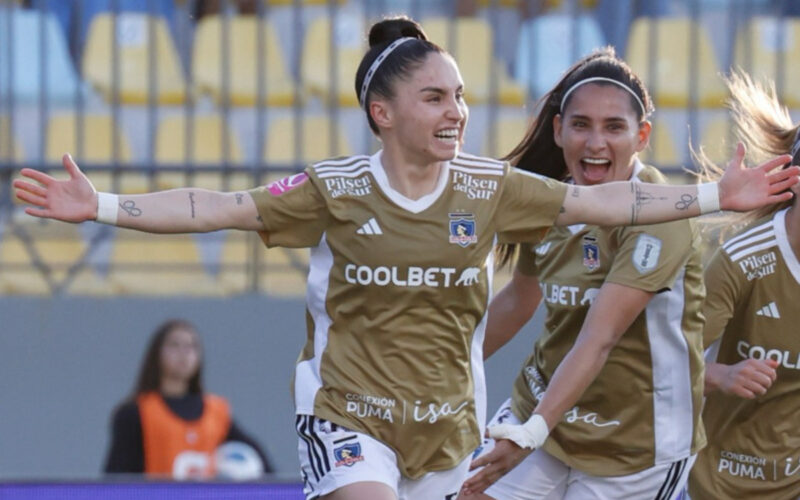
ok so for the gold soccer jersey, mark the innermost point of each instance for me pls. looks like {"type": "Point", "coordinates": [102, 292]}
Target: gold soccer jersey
{"type": "Point", "coordinates": [643, 408]}
{"type": "Point", "coordinates": [397, 294]}
{"type": "Point", "coordinates": [751, 311]}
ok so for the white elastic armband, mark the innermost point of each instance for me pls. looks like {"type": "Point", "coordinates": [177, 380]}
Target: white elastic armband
{"type": "Point", "coordinates": [107, 208]}
{"type": "Point", "coordinates": [531, 434]}
{"type": "Point", "coordinates": [708, 197]}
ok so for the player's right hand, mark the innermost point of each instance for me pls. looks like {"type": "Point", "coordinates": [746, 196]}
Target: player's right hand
{"type": "Point", "coordinates": [70, 200]}
{"type": "Point", "coordinates": [748, 378]}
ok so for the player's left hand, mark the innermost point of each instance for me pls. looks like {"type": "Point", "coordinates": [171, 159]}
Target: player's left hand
{"type": "Point", "coordinates": [743, 189]}
{"type": "Point", "coordinates": [505, 456]}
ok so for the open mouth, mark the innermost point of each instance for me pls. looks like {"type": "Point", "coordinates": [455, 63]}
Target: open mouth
{"type": "Point", "coordinates": [449, 135]}
{"type": "Point", "coordinates": [595, 169]}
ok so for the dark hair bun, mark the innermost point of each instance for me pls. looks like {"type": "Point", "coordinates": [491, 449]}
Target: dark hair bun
{"type": "Point", "coordinates": [390, 29]}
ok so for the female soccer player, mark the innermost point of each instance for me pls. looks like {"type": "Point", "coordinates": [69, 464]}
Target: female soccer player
{"type": "Point", "coordinates": [617, 372]}
{"type": "Point", "coordinates": [170, 426]}
{"type": "Point", "coordinates": [389, 389]}
{"type": "Point", "coordinates": [752, 375]}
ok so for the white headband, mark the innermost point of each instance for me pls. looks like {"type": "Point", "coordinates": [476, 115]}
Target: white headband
{"type": "Point", "coordinates": [602, 79]}
{"type": "Point", "coordinates": [362, 97]}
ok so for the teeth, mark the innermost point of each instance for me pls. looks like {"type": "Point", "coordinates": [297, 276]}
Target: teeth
{"type": "Point", "coordinates": [448, 134]}
{"type": "Point", "coordinates": [596, 161]}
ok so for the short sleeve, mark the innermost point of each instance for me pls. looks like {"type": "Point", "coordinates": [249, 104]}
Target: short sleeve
{"type": "Point", "coordinates": [650, 257]}
{"type": "Point", "coordinates": [528, 207]}
{"type": "Point", "coordinates": [293, 211]}
{"type": "Point", "coordinates": [723, 288]}
{"type": "Point", "coordinates": [526, 261]}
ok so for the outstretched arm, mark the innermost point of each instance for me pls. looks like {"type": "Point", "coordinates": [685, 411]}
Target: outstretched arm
{"type": "Point", "coordinates": [187, 210]}
{"type": "Point", "coordinates": [611, 314]}
{"type": "Point", "coordinates": [509, 310]}
{"type": "Point", "coordinates": [628, 203]}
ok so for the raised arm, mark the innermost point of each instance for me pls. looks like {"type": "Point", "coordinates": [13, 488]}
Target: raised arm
{"type": "Point", "coordinates": [628, 203]}
{"type": "Point", "coordinates": [611, 314]}
{"type": "Point", "coordinates": [186, 210]}
{"type": "Point", "coordinates": [509, 310]}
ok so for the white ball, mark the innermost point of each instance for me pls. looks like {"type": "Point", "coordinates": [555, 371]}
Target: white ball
{"type": "Point", "coordinates": [237, 461]}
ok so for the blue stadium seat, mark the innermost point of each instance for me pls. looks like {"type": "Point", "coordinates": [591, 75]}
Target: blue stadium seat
{"type": "Point", "coordinates": [22, 75]}
{"type": "Point", "coordinates": [548, 45]}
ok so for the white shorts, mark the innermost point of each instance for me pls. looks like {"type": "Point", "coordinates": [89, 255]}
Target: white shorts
{"type": "Point", "coordinates": [332, 456]}
{"type": "Point", "coordinates": [540, 476]}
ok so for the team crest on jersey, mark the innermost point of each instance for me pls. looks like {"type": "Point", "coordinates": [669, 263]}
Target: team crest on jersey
{"type": "Point", "coordinates": [348, 454]}
{"type": "Point", "coordinates": [591, 254]}
{"type": "Point", "coordinates": [462, 229]}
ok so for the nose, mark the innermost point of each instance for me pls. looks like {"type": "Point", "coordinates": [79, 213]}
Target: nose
{"type": "Point", "coordinates": [456, 110]}
{"type": "Point", "coordinates": [596, 140]}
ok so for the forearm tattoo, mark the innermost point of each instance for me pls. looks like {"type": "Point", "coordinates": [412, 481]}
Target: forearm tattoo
{"type": "Point", "coordinates": [130, 208]}
{"type": "Point", "coordinates": [191, 200]}
{"type": "Point", "coordinates": [640, 199]}
{"type": "Point", "coordinates": [685, 202]}
{"type": "Point", "coordinates": [239, 198]}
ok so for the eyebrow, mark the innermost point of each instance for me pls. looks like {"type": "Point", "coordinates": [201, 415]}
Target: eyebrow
{"type": "Point", "coordinates": [609, 119]}
{"type": "Point", "coordinates": [439, 90]}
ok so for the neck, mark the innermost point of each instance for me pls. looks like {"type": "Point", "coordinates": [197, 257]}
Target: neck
{"type": "Point", "coordinates": [174, 387]}
{"type": "Point", "coordinates": [793, 228]}
{"type": "Point", "coordinates": [413, 179]}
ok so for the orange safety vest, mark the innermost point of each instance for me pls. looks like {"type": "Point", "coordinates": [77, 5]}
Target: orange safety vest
{"type": "Point", "coordinates": [178, 448]}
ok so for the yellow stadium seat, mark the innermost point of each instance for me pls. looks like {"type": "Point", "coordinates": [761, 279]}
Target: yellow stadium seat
{"type": "Point", "coordinates": [316, 59]}
{"type": "Point", "coordinates": [718, 141]}
{"type": "Point", "coordinates": [280, 141]}
{"type": "Point", "coordinates": [235, 262]}
{"type": "Point", "coordinates": [208, 150]}
{"type": "Point", "coordinates": [97, 148]}
{"type": "Point", "coordinates": [662, 150]}
{"type": "Point", "coordinates": [671, 70]}
{"type": "Point", "coordinates": [166, 265]}
{"type": "Point", "coordinates": [10, 148]}
{"type": "Point", "coordinates": [133, 59]}
{"type": "Point", "coordinates": [284, 272]}
{"type": "Point", "coordinates": [469, 39]}
{"type": "Point", "coordinates": [18, 274]}
{"type": "Point", "coordinates": [241, 63]}
{"type": "Point", "coordinates": [761, 52]}
{"type": "Point", "coordinates": [303, 2]}
{"type": "Point", "coordinates": [508, 132]}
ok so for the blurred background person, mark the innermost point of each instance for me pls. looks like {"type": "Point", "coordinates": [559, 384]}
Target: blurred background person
{"type": "Point", "coordinates": [170, 426]}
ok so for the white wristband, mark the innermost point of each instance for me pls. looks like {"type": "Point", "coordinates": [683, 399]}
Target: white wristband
{"type": "Point", "coordinates": [531, 434]}
{"type": "Point", "coordinates": [708, 197]}
{"type": "Point", "coordinates": [107, 208]}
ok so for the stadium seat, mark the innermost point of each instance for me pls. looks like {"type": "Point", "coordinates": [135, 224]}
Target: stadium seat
{"type": "Point", "coordinates": [718, 141]}
{"type": "Point", "coordinates": [281, 141]}
{"type": "Point", "coordinates": [348, 44]}
{"type": "Point", "coordinates": [10, 148]}
{"type": "Point", "coordinates": [508, 131]}
{"type": "Point", "coordinates": [138, 37]}
{"type": "Point", "coordinates": [548, 45]}
{"type": "Point", "coordinates": [34, 34]}
{"type": "Point", "coordinates": [470, 41]}
{"type": "Point", "coordinates": [769, 47]}
{"type": "Point", "coordinates": [663, 151]}
{"type": "Point", "coordinates": [303, 2]}
{"type": "Point", "coordinates": [669, 76]}
{"type": "Point", "coordinates": [167, 265]}
{"type": "Point", "coordinates": [237, 72]}
{"type": "Point", "coordinates": [95, 149]}
{"type": "Point", "coordinates": [284, 272]}
{"type": "Point", "coordinates": [208, 150]}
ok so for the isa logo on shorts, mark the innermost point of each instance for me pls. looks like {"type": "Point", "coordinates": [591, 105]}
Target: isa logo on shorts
{"type": "Point", "coordinates": [348, 454]}
{"type": "Point", "coordinates": [462, 229]}
{"type": "Point", "coordinates": [591, 255]}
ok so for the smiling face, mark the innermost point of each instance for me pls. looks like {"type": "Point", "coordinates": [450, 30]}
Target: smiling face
{"type": "Point", "coordinates": [427, 115]}
{"type": "Point", "coordinates": [599, 133]}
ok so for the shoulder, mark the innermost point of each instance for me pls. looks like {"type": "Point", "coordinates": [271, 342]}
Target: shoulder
{"type": "Point", "coordinates": [478, 164]}
{"type": "Point", "coordinates": [339, 166]}
{"type": "Point", "coordinates": [754, 249]}
{"type": "Point", "coordinates": [126, 414]}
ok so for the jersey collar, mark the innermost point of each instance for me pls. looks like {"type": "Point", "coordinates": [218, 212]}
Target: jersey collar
{"type": "Point", "coordinates": [779, 224]}
{"type": "Point", "coordinates": [413, 206]}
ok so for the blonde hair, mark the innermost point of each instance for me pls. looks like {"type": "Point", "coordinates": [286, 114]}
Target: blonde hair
{"type": "Point", "coordinates": [764, 126]}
